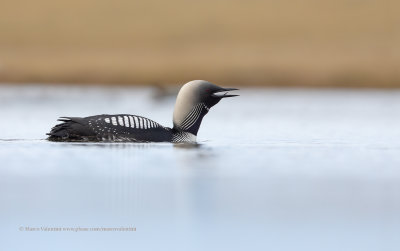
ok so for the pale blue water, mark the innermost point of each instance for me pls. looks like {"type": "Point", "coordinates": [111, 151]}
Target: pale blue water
{"type": "Point", "coordinates": [275, 170]}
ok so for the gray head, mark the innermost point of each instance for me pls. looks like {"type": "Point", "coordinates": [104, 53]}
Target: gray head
{"type": "Point", "coordinates": [194, 101]}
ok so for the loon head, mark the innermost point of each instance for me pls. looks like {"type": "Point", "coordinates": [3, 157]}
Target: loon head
{"type": "Point", "coordinates": [194, 100]}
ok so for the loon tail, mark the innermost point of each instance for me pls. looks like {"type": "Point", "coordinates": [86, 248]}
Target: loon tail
{"type": "Point", "coordinates": [71, 129]}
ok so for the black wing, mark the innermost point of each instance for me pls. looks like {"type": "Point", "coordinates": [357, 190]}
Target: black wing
{"type": "Point", "coordinates": [72, 129]}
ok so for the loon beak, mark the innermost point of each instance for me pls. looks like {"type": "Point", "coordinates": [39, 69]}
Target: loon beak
{"type": "Point", "coordinates": [223, 93]}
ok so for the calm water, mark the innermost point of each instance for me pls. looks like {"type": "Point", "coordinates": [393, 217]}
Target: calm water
{"type": "Point", "coordinates": [274, 170]}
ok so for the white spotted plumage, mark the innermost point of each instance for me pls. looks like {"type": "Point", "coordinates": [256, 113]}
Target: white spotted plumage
{"type": "Point", "coordinates": [131, 121]}
{"type": "Point", "coordinates": [136, 122]}
{"type": "Point", "coordinates": [126, 120]}
{"type": "Point", "coordinates": [120, 121]}
{"type": "Point", "coordinates": [144, 123]}
{"type": "Point", "coordinates": [114, 120]}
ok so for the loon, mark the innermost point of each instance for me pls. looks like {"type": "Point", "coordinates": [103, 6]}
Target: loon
{"type": "Point", "coordinates": [193, 102]}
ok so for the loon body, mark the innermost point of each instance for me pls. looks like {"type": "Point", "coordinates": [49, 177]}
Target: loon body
{"type": "Point", "coordinates": [193, 102]}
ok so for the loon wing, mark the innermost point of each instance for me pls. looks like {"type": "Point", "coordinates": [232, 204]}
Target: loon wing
{"type": "Point", "coordinates": [71, 129]}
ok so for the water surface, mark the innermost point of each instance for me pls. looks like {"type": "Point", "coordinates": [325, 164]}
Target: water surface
{"type": "Point", "coordinates": [275, 169]}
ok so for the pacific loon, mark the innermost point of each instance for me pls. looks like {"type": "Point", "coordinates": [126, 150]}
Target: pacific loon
{"type": "Point", "coordinates": [193, 102]}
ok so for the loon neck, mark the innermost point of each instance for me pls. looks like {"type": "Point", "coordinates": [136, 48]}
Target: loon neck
{"type": "Point", "coordinates": [191, 122]}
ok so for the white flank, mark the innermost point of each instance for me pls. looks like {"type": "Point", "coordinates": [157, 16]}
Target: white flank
{"type": "Point", "coordinates": [107, 120]}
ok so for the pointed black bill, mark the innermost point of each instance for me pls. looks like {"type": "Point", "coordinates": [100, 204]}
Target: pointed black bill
{"type": "Point", "coordinates": [223, 93]}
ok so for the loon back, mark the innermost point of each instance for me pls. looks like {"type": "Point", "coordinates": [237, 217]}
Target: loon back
{"type": "Point", "coordinates": [121, 127]}
{"type": "Point", "coordinates": [193, 102]}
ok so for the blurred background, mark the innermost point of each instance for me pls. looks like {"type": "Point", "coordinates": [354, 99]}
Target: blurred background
{"type": "Point", "coordinates": [331, 43]}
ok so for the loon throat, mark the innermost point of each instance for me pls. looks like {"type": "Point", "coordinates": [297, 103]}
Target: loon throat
{"type": "Point", "coordinates": [191, 122]}
{"type": "Point", "coordinates": [193, 102]}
